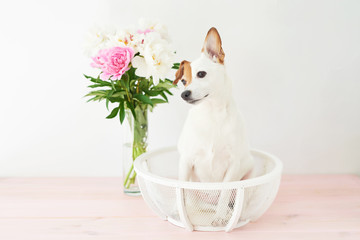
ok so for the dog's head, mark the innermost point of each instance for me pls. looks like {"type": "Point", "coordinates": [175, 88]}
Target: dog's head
{"type": "Point", "coordinates": [204, 77]}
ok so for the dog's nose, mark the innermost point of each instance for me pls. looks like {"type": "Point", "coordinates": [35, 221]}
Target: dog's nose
{"type": "Point", "coordinates": [186, 95]}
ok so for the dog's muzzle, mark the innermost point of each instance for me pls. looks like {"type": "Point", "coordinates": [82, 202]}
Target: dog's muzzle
{"type": "Point", "coordinates": [186, 95]}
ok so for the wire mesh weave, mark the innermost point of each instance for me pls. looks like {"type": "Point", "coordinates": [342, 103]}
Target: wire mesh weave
{"type": "Point", "coordinates": [196, 205]}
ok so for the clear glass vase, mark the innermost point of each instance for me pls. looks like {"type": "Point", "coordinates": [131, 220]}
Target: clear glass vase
{"type": "Point", "coordinates": [135, 144]}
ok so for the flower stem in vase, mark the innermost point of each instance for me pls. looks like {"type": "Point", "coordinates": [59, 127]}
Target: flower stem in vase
{"type": "Point", "coordinates": [139, 129]}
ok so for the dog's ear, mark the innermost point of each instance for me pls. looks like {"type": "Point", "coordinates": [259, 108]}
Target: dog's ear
{"type": "Point", "coordinates": [212, 46]}
{"type": "Point", "coordinates": [181, 71]}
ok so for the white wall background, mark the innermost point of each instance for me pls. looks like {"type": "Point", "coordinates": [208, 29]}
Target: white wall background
{"type": "Point", "coordinates": [295, 67]}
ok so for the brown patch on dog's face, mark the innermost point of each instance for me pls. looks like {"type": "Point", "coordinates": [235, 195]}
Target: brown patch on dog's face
{"type": "Point", "coordinates": [183, 73]}
{"type": "Point", "coordinates": [212, 46]}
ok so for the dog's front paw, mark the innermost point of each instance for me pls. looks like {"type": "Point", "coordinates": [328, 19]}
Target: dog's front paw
{"type": "Point", "coordinates": [219, 222]}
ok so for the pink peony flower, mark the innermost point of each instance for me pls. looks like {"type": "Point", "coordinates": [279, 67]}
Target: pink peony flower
{"type": "Point", "coordinates": [113, 62]}
{"type": "Point", "coordinates": [99, 59]}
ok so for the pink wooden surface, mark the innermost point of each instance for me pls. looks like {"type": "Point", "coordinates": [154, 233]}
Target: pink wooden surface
{"type": "Point", "coordinates": [307, 207]}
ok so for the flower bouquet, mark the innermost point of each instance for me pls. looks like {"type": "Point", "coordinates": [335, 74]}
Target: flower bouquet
{"type": "Point", "coordinates": [133, 67]}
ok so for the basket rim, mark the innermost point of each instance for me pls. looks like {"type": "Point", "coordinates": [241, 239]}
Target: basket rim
{"type": "Point", "coordinates": [276, 172]}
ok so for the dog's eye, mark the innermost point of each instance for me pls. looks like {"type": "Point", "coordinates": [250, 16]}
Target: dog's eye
{"type": "Point", "coordinates": [183, 82]}
{"type": "Point", "coordinates": [201, 74]}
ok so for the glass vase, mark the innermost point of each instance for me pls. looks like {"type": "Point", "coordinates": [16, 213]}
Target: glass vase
{"type": "Point", "coordinates": [135, 144]}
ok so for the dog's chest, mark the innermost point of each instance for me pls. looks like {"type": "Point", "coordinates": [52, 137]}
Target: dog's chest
{"type": "Point", "coordinates": [216, 127]}
{"type": "Point", "coordinates": [210, 165]}
{"type": "Point", "coordinates": [210, 136]}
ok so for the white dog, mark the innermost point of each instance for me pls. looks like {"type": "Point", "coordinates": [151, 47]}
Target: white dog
{"type": "Point", "coordinates": [213, 146]}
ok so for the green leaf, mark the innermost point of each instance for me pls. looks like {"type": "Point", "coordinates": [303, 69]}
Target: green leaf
{"type": "Point", "coordinates": [91, 99]}
{"type": "Point", "coordinates": [168, 92]}
{"type": "Point", "coordinates": [158, 101]}
{"type": "Point", "coordinates": [122, 112]}
{"type": "Point", "coordinates": [125, 77]}
{"type": "Point", "coordinates": [97, 93]}
{"type": "Point", "coordinates": [99, 81]}
{"type": "Point", "coordinates": [152, 93]}
{"type": "Point", "coordinates": [170, 82]}
{"type": "Point", "coordinates": [164, 85]}
{"type": "Point", "coordinates": [113, 85]}
{"type": "Point", "coordinates": [132, 84]}
{"type": "Point", "coordinates": [125, 81]}
{"type": "Point", "coordinates": [144, 83]}
{"type": "Point", "coordinates": [176, 66]}
{"type": "Point", "coordinates": [114, 100]}
{"type": "Point", "coordinates": [107, 104]}
{"type": "Point", "coordinates": [143, 98]}
{"type": "Point", "coordinates": [164, 96]}
{"type": "Point", "coordinates": [95, 86]}
{"type": "Point", "coordinates": [118, 94]}
{"type": "Point", "coordinates": [131, 73]}
{"type": "Point", "coordinates": [113, 113]}
{"type": "Point", "coordinates": [88, 77]}
{"type": "Point", "coordinates": [110, 93]}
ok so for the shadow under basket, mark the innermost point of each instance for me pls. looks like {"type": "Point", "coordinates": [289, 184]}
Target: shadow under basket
{"type": "Point", "coordinates": [195, 205]}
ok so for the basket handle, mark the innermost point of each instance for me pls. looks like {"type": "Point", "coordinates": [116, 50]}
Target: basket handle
{"type": "Point", "coordinates": [239, 200]}
{"type": "Point", "coordinates": [182, 211]}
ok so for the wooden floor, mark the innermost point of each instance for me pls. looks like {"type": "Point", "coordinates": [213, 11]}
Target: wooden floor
{"type": "Point", "coordinates": [307, 207]}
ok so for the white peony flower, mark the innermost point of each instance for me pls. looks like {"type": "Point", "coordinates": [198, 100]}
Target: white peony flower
{"type": "Point", "coordinates": [146, 25]}
{"type": "Point", "coordinates": [123, 38]}
{"type": "Point", "coordinates": [156, 57]}
{"type": "Point", "coordinates": [97, 39]}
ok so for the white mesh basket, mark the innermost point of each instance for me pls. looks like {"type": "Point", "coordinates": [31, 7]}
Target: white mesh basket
{"type": "Point", "coordinates": [193, 205]}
